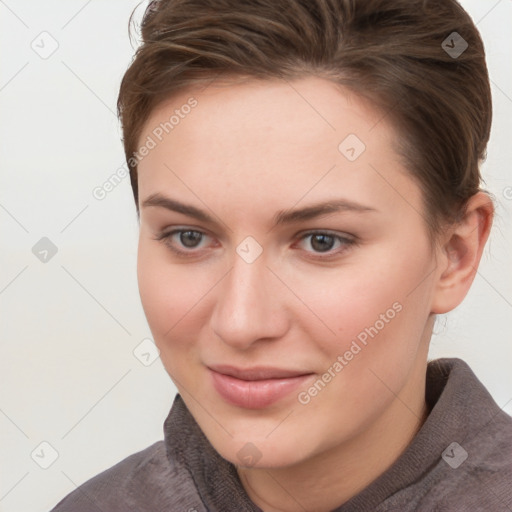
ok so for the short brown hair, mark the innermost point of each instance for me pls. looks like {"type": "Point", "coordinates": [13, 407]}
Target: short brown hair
{"type": "Point", "coordinates": [396, 53]}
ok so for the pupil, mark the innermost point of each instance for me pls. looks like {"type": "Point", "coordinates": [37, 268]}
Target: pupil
{"type": "Point", "coordinates": [189, 238]}
{"type": "Point", "coordinates": [322, 243]}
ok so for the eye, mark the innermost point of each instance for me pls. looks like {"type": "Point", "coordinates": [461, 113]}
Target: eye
{"type": "Point", "coordinates": [188, 242]}
{"type": "Point", "coordinates": [321, 242]}
{"type": "Point", "coordinates": [182, 241]}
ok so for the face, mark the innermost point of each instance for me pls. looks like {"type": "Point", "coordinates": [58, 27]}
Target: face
{"type": "Point", "coordinates": [284, 266]}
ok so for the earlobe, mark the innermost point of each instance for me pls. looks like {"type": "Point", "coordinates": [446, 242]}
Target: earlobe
{"type": "Point", "coordinates": [461, 254]}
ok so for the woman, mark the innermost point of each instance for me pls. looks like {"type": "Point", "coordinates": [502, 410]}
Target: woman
{"type": "Point", "coordinates": [306, 175]}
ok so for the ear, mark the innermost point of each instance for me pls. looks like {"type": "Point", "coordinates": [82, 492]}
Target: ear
{"type": "Point", "coordinates": [459, 255]}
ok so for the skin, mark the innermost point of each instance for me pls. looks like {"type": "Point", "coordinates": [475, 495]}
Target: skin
{"type": "Point", "coordinates": [245, 152]}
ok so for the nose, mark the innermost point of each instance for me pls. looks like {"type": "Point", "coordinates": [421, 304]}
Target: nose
{"type": "Point", "coordinates": [249, 305]}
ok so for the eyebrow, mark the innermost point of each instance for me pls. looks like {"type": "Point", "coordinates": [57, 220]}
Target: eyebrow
{"type": "Point", "coordinates": [282, 217]}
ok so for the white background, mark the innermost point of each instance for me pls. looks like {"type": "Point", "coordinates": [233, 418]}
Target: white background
{"type": "Point", "coordinates": [69, 326]}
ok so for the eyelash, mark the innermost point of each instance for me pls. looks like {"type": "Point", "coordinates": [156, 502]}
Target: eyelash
{"type": "Point", "coordinates": [346, 242]}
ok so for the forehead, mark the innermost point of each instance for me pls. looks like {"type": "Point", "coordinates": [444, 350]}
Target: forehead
{"type": "Point", "coordinates": [301, 110]}
{"type": "Point", "coordinates": [270, 138]}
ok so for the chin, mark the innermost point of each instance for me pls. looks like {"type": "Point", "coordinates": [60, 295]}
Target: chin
{"type": "Point", "coordinates": [262, 453]}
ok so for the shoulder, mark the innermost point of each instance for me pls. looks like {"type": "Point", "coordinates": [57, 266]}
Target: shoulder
{"type": "Point", "coordinates": [144, 481]}
{"type": "Point", "coordinates": [483, 480]}
{"type": "Point", "coordinates": [475, 473]}
{"type": "Point", "coordinates": [463, 452]}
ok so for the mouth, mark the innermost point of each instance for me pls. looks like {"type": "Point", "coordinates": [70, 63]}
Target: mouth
{"type": "Point", "coordinates": [257, 387]}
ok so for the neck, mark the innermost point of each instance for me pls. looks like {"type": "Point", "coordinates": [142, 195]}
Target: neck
{"type": "Point", "coordinates": [330, 479]}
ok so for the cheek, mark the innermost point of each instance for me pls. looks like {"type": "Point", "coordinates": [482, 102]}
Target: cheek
{"type": "Point", "coordinates": [176, 300]}
{"type": "Point", "coordinates": [165, 299]}
{"type": "Point", "coordinates": [378, 325]}
{"type": "Point", "coordinates": [168, 293]}
{"type": "Point", "coordinates": [381, 302]}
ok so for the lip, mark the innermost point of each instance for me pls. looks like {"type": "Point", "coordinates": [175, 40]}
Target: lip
{"type": "Point", "coordinates": [257, 387]}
